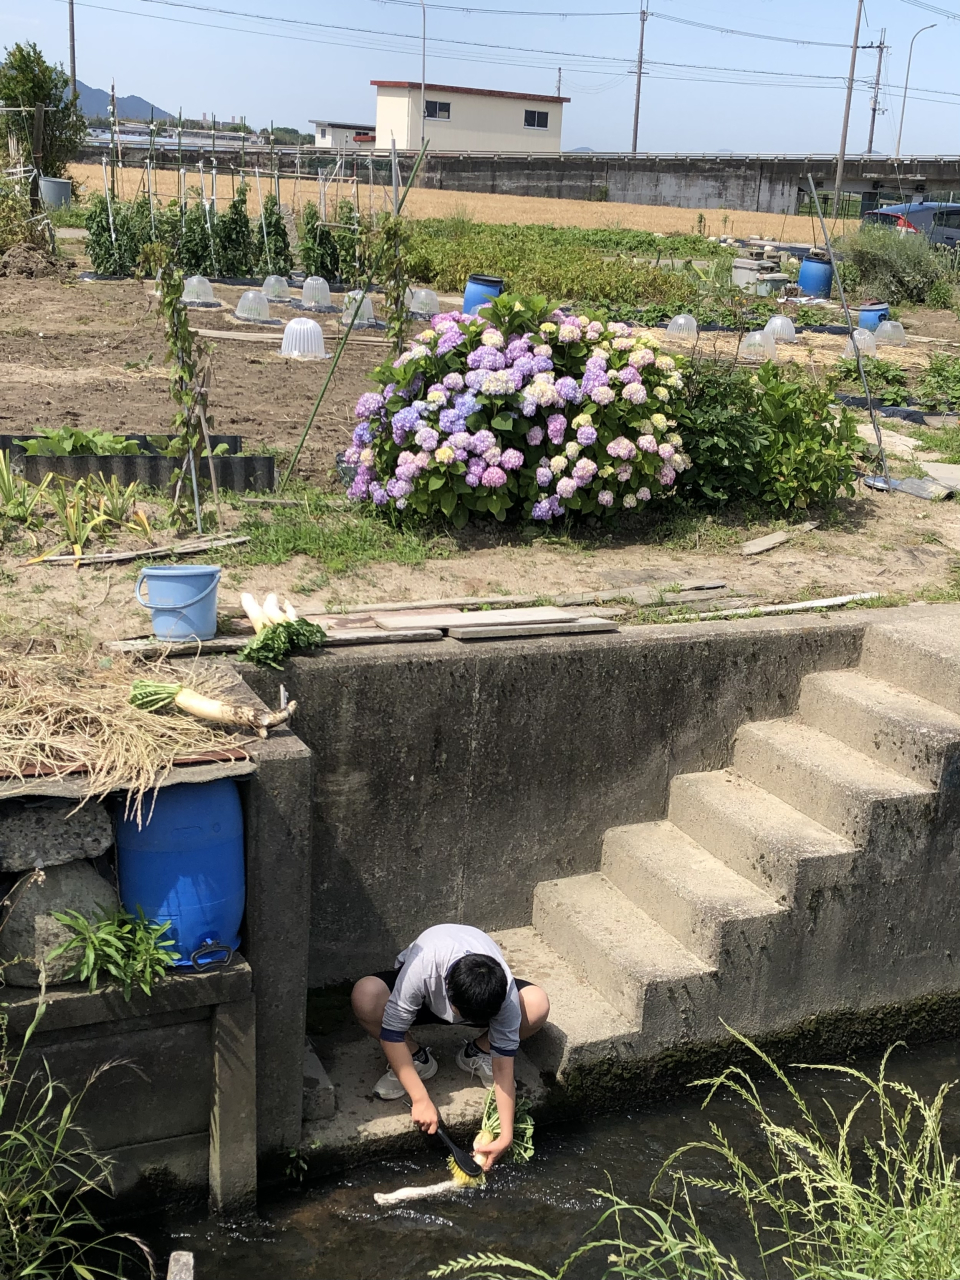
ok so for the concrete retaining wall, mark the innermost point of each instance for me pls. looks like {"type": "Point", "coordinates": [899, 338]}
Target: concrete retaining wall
{"type": "Point", "coordinates": [451, 779]}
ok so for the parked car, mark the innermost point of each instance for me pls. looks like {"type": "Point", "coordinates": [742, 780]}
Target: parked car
{"type": "Point", "coordinates": [939, 221]}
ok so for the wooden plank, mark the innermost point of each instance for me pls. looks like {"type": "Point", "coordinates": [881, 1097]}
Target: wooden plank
{"type": "Point", "coordinates": [771, 540]}
{"type": "Point", "coordinates": [520, 631]}
{"type": "Point", "coordinates": [151, 553]}
{"type": "Point", "coordinates": [479, 618]}
{"type": "Point", "coordinates": [476, 602]}
{"type": "Point", "coordinates": [802, 606]}
{"type": "Point", "coordinates": [232, 644]}
{"type": "Point", "coordinates": [343, 639]}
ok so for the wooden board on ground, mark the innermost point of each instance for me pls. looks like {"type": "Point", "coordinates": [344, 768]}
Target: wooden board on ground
{"type": "Point", "coordinates": [479, 618]}
{"type": "Point", "coordinates": [770, 540]}
{"type": "Point", "coordinates": [520, 631]}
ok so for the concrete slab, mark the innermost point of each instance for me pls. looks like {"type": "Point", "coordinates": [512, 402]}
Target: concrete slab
{"type": "Point", "coordinates": [947, 473]}
{"type": "Point", "coordinates": [361, 1120]}
{"type": "Point", "coordinates": [445, 618]}
{"type": "Point", "coordinates": [578, 626]}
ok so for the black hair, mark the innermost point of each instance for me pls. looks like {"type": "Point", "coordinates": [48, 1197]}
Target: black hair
{"type": "Point", "coordinates": [477, 987]}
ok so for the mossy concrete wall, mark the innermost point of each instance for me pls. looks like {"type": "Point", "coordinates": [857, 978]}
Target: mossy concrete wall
{"type": "Point", "coordinates": [451, 778]}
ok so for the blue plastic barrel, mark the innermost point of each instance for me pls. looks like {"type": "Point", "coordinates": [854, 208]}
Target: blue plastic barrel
{"type": "Point", "coordinates": [870, 317]}
{"type": "Point", "coordinates": [182, 600]}
{"type": "Point", "coordinates": [816, 278]}
{"type": "Point", "coordinates": [186, 865]}
{"type": "Point", "coordinates": [480, 289]}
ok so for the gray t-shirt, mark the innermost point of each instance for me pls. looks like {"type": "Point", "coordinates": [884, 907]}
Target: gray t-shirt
{"type": "Point", "coordinates": [422, 980]}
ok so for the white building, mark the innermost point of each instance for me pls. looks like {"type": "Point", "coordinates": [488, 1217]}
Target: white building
{"type": "Point", "coordinates": [458, 119]}
{"type": "Point", "coordinates": [335, 136]}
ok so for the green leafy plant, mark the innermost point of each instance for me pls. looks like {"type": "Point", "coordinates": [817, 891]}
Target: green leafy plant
{"type": "Point", "coordinates": [77, 518]}
{"type": "Point", "coordinates": [763, 437]}
{"type": "Point", "coordinates": [940, 295]}
{"type": "Point", "coordinates": [72, 442]}
{"type": "Point", "coordinates": [234, 237]}
{"type": "Point", "coordinates": [17, 225]}
{"type": "Point", "coordinates": [318, 249]}
{"type": "Point", "coordinates": [878, 262]}
{"type": "Point", "coordinates": [274, 644]}
{"type": "Point", "coordinates": [196, 256]}
{"type": "Point", "coordinates": [19, 499]}
{"type": "Point", "coordinates": [117, 946]}
{"type": "Point", "coordinates": [819, 1202]}
{"type": "Point", "coordinates": [49, 1176]}
{"type": "Point", "coordinates": [887, 380]}
{"type": "Point", "coordinates": [939, 389]}
{"type": "Point", "coordinates": [273, 256]}
{"type": "Point", "coordinates": [117, 503]}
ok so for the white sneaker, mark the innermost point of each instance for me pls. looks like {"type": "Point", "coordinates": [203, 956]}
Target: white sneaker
{"type": "Point", "coordinates": [476, 1063]}
{"type": "Point", "coordinates": [388, 1088]}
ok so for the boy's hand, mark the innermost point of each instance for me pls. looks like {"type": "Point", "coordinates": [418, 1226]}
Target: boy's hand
{"type": "Point", "coordinates": [424, 1115]}
{"type": "Point", "coordinates": [487, 1154]}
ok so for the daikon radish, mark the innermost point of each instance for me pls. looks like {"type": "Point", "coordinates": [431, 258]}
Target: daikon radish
{"type": "Point", "coordinates": [253, 611]}
{"type": "Point", "coordinates": [404, 1194]}
{"type": "Point", "coordinates": [272, 610]}
{"type": "Point", "coordinates": [150, 696]}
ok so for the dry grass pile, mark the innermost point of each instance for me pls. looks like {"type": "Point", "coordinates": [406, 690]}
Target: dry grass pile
{"type": "Point", "coordinates": [65, 715]}
{"type": "Point", "coordinates": [485, 207]}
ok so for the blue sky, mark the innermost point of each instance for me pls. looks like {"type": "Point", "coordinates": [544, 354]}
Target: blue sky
{"type": "Point", "coordinates": [178, 55]}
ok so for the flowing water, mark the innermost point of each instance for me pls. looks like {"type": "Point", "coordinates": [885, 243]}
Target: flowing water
{"type": "Point", "coordinates": [333, 1230]}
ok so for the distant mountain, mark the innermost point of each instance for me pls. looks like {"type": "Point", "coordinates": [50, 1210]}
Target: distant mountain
{"type": "Point", "coordinates": [576, 150]}
{"type": "Point", "coordinates": [96, 102]}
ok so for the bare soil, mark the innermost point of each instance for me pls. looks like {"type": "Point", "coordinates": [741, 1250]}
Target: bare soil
{"type": "Point", "coordinates": [75, 352]}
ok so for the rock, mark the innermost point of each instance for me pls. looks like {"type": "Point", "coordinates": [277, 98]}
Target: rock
{"type": "Point", "coordinates": [29, 932]}
{"type": "Point", "coordinates": [47, 832]}
{"type": "Point", "coordinates": [27, 262]}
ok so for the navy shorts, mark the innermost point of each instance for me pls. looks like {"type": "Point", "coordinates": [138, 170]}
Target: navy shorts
{"type": "Point", "coordinates": [426, 1017]}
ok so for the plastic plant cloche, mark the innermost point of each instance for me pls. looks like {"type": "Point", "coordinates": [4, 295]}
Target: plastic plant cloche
{"type": "Point", "coordinates": [197, 289]}
{"type": "Point", "coordinates": [316, 293]}
{"type": "Point", "coordinates": [424, 304]}
{"type": "Point", "coordinates": [683, 327]}
{"type": "Point", "coordinates": [757, 346]}
{"type": "Point", "coordinates": [357, 302]}
{"type": "Point", "coordinates": [276, 288]}
{"type": "Point", "coordinates": [865, 342]}
{"type": "Point", "coordinates": [303, 340]}
{"type": "Point", "coordinates": [253, 306]}
{"type": "Point", "coordinates": [780, 329]}
{"type": "Point", "coordinates": [890, 334]}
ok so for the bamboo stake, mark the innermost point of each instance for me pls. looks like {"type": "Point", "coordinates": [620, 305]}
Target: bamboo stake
{"type": "Point", "coordinates": [213, 470]}
{"type": "Point", "coordinates": [343, 341]}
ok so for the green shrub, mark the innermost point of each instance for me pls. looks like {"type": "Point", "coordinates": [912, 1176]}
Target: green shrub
{"type": "Point", "coordinates": [878, 262]}
{"type": "Point", "coordinates": [116, 947]}
{"type": "Point", "coordinates": [117, 252]}
{"type": "Point", "coordinates": [318, 249]}
{"type": "Point", "coordinates": [26, 78]}
{"type": "Point", "coordinates": [196, 250]}
{"type": "Point", "coordinates": [233, 236]}
{"type": "Point", "coordinates": [273, 257]}
{"type": "Point", "coordinates": [15, 224]}
{"type": "Point", "coordinates": [939, 389]}
{"type": "Point", "coordinates": [760, 437]}
{"type": "Point", "coordinates": [69, 442]}
{"type": "Point", "coordinates": [940, 295]}
{"type": "Point", "coordinates": [885, 378]}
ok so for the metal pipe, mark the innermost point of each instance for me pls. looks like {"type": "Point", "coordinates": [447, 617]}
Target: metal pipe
{"type": "Point", "coordinates": [906, 83]}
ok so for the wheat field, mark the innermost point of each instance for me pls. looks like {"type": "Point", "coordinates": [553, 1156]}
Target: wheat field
{"type": "Point", "coordinates": [481, 207]}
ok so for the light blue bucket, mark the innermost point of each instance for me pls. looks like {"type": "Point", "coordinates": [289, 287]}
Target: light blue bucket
{"type": "Point", "coordinates": [183, 600]}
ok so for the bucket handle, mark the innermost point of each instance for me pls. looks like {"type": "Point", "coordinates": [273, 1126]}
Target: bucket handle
{"type": "Point", "coordinates": [185, 604]}
{"type": "Point", "coordinates": [212, 947]}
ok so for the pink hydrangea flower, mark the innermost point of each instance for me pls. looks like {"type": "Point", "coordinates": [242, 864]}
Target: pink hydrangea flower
{"type": "Point", "coordinates": [643, 494]}
{"type": "Point", "coordinates": [605, 498]}
{"type": "Point", "coordinates": [493, 478]}
{"type": "Point", "coordinates": [511, 460]}
{"type": "Point", "coordinates": [566, 487]}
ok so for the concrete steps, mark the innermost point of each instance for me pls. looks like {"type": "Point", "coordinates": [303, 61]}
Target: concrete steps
{"type": "Point", "coordinates": [838, 787]}
{"type": "Point", "coordinates": [609, 941]}
{"type": "Point", "coordinates": [697, 898]}
{"type": "Point", "coordinates": [897, 729]}
{"type": "Point", "coordinates": [766, 840]}
{"type": "Point", "coordinates": [922, 658]}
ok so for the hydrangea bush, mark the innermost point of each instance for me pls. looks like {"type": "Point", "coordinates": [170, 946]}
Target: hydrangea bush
{"type": "Point", "coordinates": [521, 410]}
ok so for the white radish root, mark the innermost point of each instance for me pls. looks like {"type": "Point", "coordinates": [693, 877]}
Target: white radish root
{"type": "Point", "coordinates": [272, 610]}
{"type": "Point", "coordinates": [253, 611]}
{"type": "Point", "coordinates": [290, 611]}
{"type": "Point", "coordinates": [405, 1194]}
{"type": "Point", "coordinates": [229, 713]}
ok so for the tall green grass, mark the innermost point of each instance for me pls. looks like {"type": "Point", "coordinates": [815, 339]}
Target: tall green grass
{"type": "Point", "coordinates": [869, 1194]}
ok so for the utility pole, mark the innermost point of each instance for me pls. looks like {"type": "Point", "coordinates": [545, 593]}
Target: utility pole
{"type": "Point", "coordinates": [36, 158]}
{"type": "Point", "coordinates": [559, 79]}
{"type": "Point", "coordinates": [875, 104]}
{"type": "Point", "coordinates": [846, 111]}
{"type": "Point", "coordinates": [423, 72]}
{"type": "Point", "coordinates": [73, 52]}
{"type": "Point", "coordinates": [644, 14]}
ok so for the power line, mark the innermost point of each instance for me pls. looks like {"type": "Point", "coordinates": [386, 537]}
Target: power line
{"type": "Point", "coordinates": [932, 8]}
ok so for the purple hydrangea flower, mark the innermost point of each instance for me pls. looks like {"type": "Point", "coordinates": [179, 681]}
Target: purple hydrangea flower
{"type": "Point", "coordinates": [524, 366]}
{"type": "Point", "coordinates": [542, 510]}
{"type": "Point", "coordinates": [351, 456]}
{"type": "Point", "coordinates": [542, 364]}
{"type": "Point", "coordinates": [471, 479]}
{"type": "Point", "coordinates": [628, 374]}
{"type": "Point", "coordinates": [370, 402]}
{"type": "Point", "coordinates": [362, 434]}
{"type": "Point", "coordinates": [476, 467]}
{"type": "Point", "coordinates": [568, 390]}
{"type": "Point", "coordinates": [517, 347]}
{"type": "Point", "coordinates": [535, 436]}
{"type": "Point", "coordinates": [604, 395]}
{"type": "Point", "coordinates": [360, 489]}
{"type": "Point", "coordinates": [449, 342]}
{"type": "Point", "coordinates": [584, 471]}
{"type": "Point", "coordinates": [544, 476]}
{"type": "Point", "coordinates": [427, 438]}
{"type": "Point", "coordinates": [450, 420]}
{"type": "Point", "coordinates": [453, 382]}
{"type": "Point", "coordinates": [605, 498]}
{"type": "Point", "coordinates": [644, 494]}
{"type": "Point", "coordinates": [493, 478]}
{"type": "Point", "coordinates": [556, 427]}
{"type": "Point", "coordinates": [511, 459]}
{"type": "Point", "coordinates": [587, 435]}
{"type": "Point", "coordinates": [466, 404]}
{"type": "Point", "coordinates": [379, 495]}
{"type": "Point", "coordinates": [647, 444]}
{"type": "Point", "coordinates": [624, 472]}
{"type": "Point", "coordinates": [566, 486]}
{"type": "Point", "coordinates": [482, 441]}
{"type": "Point", "coordinates": [460, 440]}
{"type": "Point", "coordinates": [622, 448]}
{"type": "Point", "coordinates": [667, 475]}
{"type": "Point", "coordinates": [666, 452]}
{"type": "Point", "coordinates": [398, 488]}
{"type": "Point", "coordinates": [460, 455]}
{"type": "Point", "coordinates": [474, 379]}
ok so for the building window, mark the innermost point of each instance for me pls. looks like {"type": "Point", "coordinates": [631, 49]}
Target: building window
{"type": "Point", "coordinates": [436, 110]}
{"type": "Point", "coordinates": [323, 133]}
{"type": "Point", "coordinates": [536, 119]}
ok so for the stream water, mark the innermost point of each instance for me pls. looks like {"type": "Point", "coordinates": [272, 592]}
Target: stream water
{"type": "Point", "coordinates": [333, 1230]}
